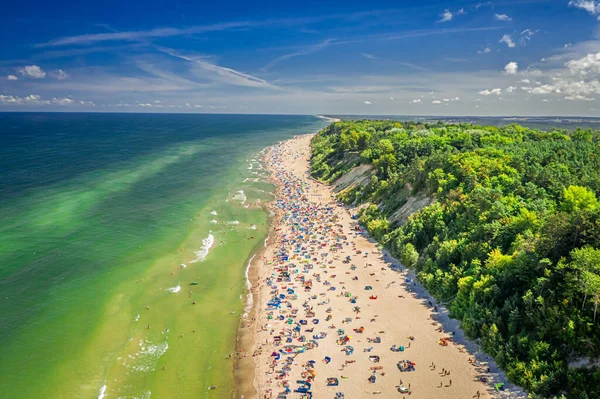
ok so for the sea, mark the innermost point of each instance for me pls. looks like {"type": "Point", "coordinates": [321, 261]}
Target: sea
{"type": "Point", "coordinates": [124, 243]}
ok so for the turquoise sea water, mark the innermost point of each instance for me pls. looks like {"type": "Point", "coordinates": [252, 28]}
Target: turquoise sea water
{"type": "Point", "coordinates": [98, 213]}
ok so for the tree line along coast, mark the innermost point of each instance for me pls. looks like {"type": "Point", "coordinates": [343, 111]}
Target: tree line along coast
{"type": "Point", "coordinates": [501, 224]}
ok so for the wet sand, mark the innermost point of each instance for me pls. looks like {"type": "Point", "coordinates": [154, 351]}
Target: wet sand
{"type": "Point", "coordinates": [323, 267]}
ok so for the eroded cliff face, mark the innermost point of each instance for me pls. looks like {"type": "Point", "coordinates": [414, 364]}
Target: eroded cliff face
{"type": "Point", "coordinates": [360, 176]}
{"type": "Point", "coordinates": [412, 205]}
{"type": "Point", "coordinates": [357, 176]}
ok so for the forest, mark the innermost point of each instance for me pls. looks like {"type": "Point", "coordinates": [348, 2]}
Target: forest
{"type": "Point", "coordinates": [510, 240]}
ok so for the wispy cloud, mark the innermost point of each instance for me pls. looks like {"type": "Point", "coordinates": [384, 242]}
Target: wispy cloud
{"type": "Point", "coordinates": [526, 35]}
{"type": "Point", "coordinates": [306, 50]}
{"type": "Point", "coordinates": [141, 34]}
{"type": "Point", "coordinates": [222, 74]}
{"type": "Point", "coordinates": [434, 32]}
{"type": "Point", "coordinates": [59, 74]}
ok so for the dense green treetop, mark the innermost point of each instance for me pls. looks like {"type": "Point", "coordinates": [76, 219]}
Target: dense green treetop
{"type": "Point", "coordinates": [511, 240]}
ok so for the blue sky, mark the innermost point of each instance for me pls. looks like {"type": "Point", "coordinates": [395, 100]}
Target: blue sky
{"type": "Point", "coordinates": [527, 57]}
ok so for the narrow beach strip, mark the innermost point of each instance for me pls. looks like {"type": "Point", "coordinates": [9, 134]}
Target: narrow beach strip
{"type": "Point", "coordinates": [336, 317]}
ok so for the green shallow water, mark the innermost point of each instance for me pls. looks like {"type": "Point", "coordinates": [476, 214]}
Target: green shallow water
{"type": "Point", "coordinates": [98, 214]}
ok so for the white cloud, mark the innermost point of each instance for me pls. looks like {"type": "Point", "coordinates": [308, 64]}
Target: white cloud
{"type": "Point", "coordinates": [578, 81]}
{"type": "Point", "coordinates": [526, 81]}
{"type": "Point", "coordinates": [416, 101]}
{"type": "Point", "coordinates": [578, 97]}
{"type": "Point", "coordinates": [510, 89]}
{"type": "Point", "coordinates": [591, 6]}
{"type": "Point", "coordinates": [59, 74]}
{"type": "Point", "coordinates": [461, 11]}
{"type": "Point", "coordinates": [391, 98]}
{"type": "Point", "coordinates": [368, 102]}
{"type": "Point", "coordinates": [502, 17]}
{"type": "Point", "coordinates": [436, 102]}
{"type": "Point", "coordinates": [484, 51]}
{"type": "Point", "coordinates": [30, 99]}
{"type": "Point", "coordinates": [62, 101]}
{"type": "Point", "coordinates": [32, 71]}
{"type": "Point", "coordinates": [35, 99]}
{"type": "Point", "coordinates": [588, 65]}
{"type": "Point", "coordinates": [446, 100]}
{"type": "Point", "coordinates": [511, 68]}
{"type": "Point", "coordinates": [446, 16]}
{"type": "Point", "coordinates": [12, 77]}
{"type": "Point", "coordinates": [495, 92]}
{"type": "Point", "coordinates": [508, 40]}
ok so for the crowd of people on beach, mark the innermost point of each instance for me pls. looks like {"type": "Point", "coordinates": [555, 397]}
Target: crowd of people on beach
{"type": "Point", "coordinates": [318, 333]}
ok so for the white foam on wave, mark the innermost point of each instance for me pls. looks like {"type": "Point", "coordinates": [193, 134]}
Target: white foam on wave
{"type": "Point", "coordinates": [174, 289]}
{"type": "Point", "coordinates": [249, 297]}
{"type": "Point", "coordinates": [145, 395]}
{"type": "Point", "coordinates": [214, 213]}
{"type": "Point", "coordinates": [234, 222]}
{"type": "Point", "coordinates": [253, 227]}
{"type": "Point", "coordinates": [213, 221]}
{"type": "Point", "coordinates": [240, 196]}
{"type": "Point", "coordinates": [207, 243]}
{"type": "Point", "coordinates": [137, 317]}
{"type": "Point", "coordinates": [146, 358]}
{"type": "Point", "coordinates": [102, 392]}
{"type": "Point", "coordinates": [183, 265]}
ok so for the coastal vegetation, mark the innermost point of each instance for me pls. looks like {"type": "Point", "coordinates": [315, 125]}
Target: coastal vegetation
{"type": "Point", "coordinates": [508, 239]}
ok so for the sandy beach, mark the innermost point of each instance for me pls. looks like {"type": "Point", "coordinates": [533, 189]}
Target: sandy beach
{"type": "Point", "coordinates": [334, 316]}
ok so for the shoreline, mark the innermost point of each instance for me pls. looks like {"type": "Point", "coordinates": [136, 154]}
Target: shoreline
{"type": "Point", "coordinates": [245, 367]}
{"type": "Point", "coordinates": [433, 327]}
